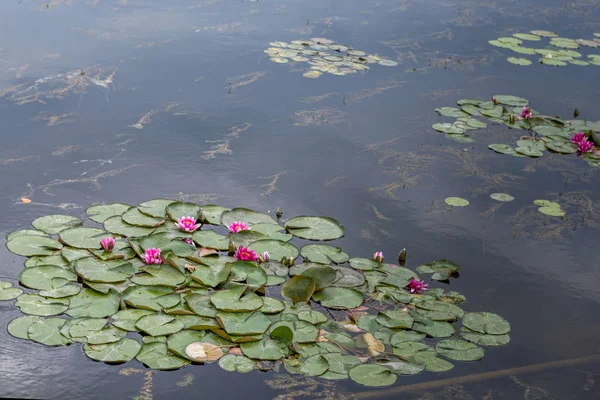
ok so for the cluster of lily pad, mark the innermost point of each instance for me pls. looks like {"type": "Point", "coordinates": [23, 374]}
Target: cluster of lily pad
{"type": "Point", "coordinates": [558, 58]}
{"type": "Point", "coordinates": [544, 132]}
{"type": "Point", "coordinates": [171, 283]}
{"type": "Point", "coordinates": [324, 55]}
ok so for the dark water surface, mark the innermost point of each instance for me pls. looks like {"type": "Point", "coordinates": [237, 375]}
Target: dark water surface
{"type": "Point", "coordinates": [226, 125]}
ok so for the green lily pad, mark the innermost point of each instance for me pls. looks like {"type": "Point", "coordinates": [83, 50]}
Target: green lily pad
{"type": "Point", "coordinates": [563, 147]}
{"type": "Point", "coordinates": [551, 211]}
{"type": "Point", "coordinates": [298, 288]}
{"type": "Point", "coordinates": [180, 209]}
{"type": "Point", "coordinates": [437, 329]}
{"type": "Point", "coordinates": [527, 36]}
{"type": "Point", "coordinates": [56, 223]}
{"type": "Point", "coordinates": [552, 61]}
{"type": "Point", "coordinates": [157, 356]}
{"type": "Point", "coordinates": [395, 319]}
{"type": "Point", "coordinates": [134, 216]}
{"type": "Point", "coordinates": [34, 304]}
{"type": "Point", "coordinates": [119, 352]}
{"type": "Point", "coordinates": [456, 201]}
{"type": "Point", "coordinates": [452, 112]}
{"type": "Point", "coordinates": [41, 277]}
{"type": "Point", "coordinates": [303, 332]}
{"type": "Point", "coordinates": [406, 336]}
{"type": "Point", "coordinates": [211, 214]}
{"type": "Point", "coordinates": [234, 299]}
{"type": "Point", "coordinates": [89, 303]}
{"type": "Point", "coordinates": [117, 226]}
{"type": "Point", "coordinates": [94, 270]}
{"type": "Point", "coordinates": [431, 362]}
{"type": "Point", "coordinates": [277, 249]}
{"type": "Point", "coordinates": [338, 297]}
{"type": "Point", "coordinates": [159, 325]}
{"type": "Point", "coordinates": [322, 253]}
{"type": "Point", "coordinates": [459, 350]}
{"type": "Point", "coordinates": [84, 238]}
{"type": "Point", "coordinates": [315, 228]}
{"type": "Point", "coordinates": [47, 331]}
{"type": "Point", "coordinates": [101, 212]}
{"type": "Point", "coordinates": [60, 288]}
{"type": "Point", "coordinates": [18, 327]}
{"type": "Point", "coordinates": [33, 245]}
{"type": "Point", "coordinates": [365, 264]}
{"type": "Point", "coordinates": [544, 33]}
{"type": "Point", "coordinates": [159, 275]}
{"type": "Point", "coordinates": [211, 239]}
{"type": "Point", "coordinates": [239, 364]}
{"type": "Point", "coordinates": [323, 276]}
{"type": "Point", "coordinates": [519, 61]}
{"type": "Point", "coordinates": [372, 375]}
{"type": "Point", "coordinates": [441, 269]}
{"type": "Point", "coordinates": [126, 319]}
{"type": "Point", "coordinates": [484, 339]}
{"type": "Point", "coordinates": [264, 349]}
{"type": "Point", "coordinates": [156, 208]}
{"type": "Point", "coordinates": [243, 323]}
{"type": "Point", "coordinates": [245, 215]}
{"type": "Point", "coordinates": [178, 342]}
{"type": "Point", "coordinates": [485, 322]}
{"type": "Point", "coordinates": [448, 128]}
{"type": "Point", "coordinates": [24, 232]}
{"type": "Point", "coordinates": [502, 149]}
{"type": "Point", "coordinates": [511, 100]}
{"type": "Point", "coordinates": [503, 197]}
{"type": "Point", "coordinates": [7, 292]}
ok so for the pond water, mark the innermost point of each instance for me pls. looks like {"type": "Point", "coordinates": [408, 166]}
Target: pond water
{"type": "Point", "coordinates": [178, 99]}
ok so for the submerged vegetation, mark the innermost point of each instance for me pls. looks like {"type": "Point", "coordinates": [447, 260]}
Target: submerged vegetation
{"type": "Point", "coordinates": [205, 284]}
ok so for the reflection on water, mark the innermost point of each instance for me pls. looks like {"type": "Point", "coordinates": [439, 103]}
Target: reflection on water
{"type": "Point", "coordinates": [122, 101]}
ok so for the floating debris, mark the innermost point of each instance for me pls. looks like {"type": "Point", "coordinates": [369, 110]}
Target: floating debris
{"type": "Point", "coordinates": [59, 86]}
{"type": "Point", "coordinates": [325, 56]}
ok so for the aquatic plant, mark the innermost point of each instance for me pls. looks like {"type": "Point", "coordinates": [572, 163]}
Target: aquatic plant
{"type": "Point", "coordinates": [546, 133]}
{"type": "Point", "coordinates": [170, 297]}
{"type": "Point", "coordinates": [187, 224]}
{"type": "Point", "coordinates": [562, 57]}
{"type": "Point", "coordinates": [324, 55]}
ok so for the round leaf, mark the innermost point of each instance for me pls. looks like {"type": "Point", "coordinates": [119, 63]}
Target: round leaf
{"type": "Point", "coordinates": [459, 350]}
{"type": "Point", "coordinates": [485, 322]}
{"type": "Point", "coordinates": [119, 352]}
{"type": "Point", "coordinates": [239, 364]}
{"type": "Point", "coordinates": [315, 228]}
{"type": "Point", "coordinates": [337, 297]}
{"type": "Point", "coordinates": [33, 245]}
{"type": "Point", "coordinates": [325, 254]}
{"type": "Point", "coordinates": [372, 375]}
{"type": "Point", "coordinates": [56, 223]}
{"type": "Point", "coordinates": [299, 288]}
{"type": "Point", "coordinates": [101, 212]}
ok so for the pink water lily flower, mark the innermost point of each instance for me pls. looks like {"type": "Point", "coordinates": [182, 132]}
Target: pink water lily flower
{"type": "Point", "coordinates": [152, 256]}
{"type": "Point", "coordinates": [526, 113]}
{"type": "Point", "coordinates": [578, 137]}
{"type": "Point", "coordinates": [108, 243]}
{"type": "Point", "coordinates": [415, 286]}
{"type": "Point", "coordinates": [187, 224]}
{"type": "Point", "coordinates": [585, 146]}
{"type": "Point", "coordinates": [264, 256]}
{"type": "Point", "coordinates": [245, 254]}
{"type": "Point", "coordinates": [237, 226]}
{"type": "Point", "coordinates": [378, 256]}
{"type": "Point", "coordinates": [189, 241]}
